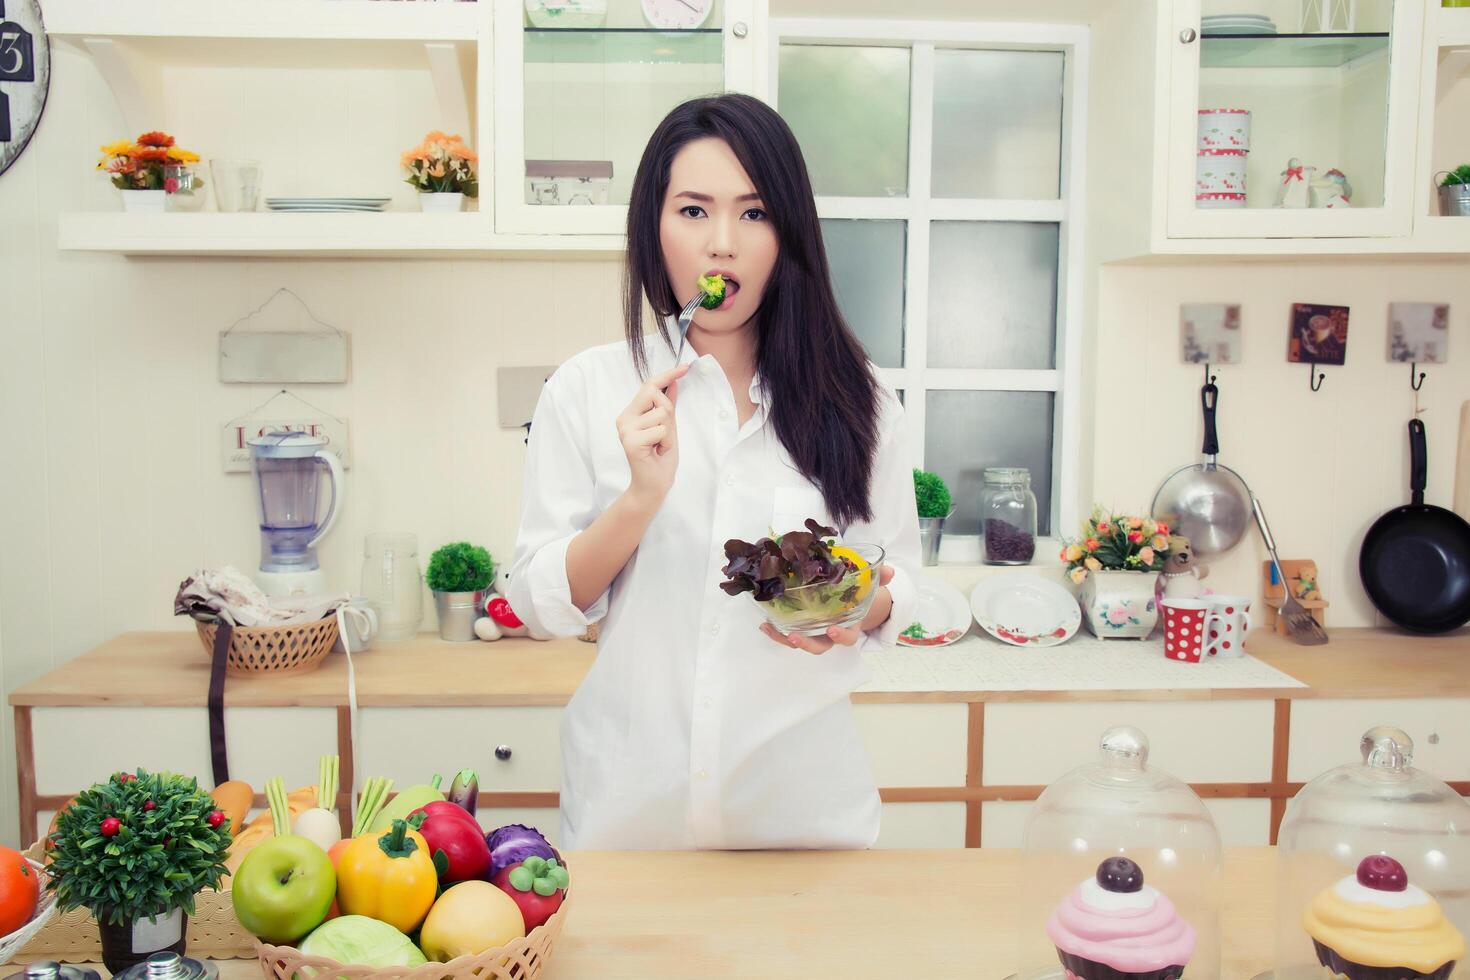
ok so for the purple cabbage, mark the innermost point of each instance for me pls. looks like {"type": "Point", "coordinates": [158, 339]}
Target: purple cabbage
{"type": "Point", "coordinates": [515, 842]}
{"type": "Point", "coordinates": [769, 567]}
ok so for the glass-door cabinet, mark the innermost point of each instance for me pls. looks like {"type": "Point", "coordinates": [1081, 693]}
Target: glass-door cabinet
{"type": "Point", "coordinates": [580, 86]}
{"type": "Point", "coordinates": [1291, 118]}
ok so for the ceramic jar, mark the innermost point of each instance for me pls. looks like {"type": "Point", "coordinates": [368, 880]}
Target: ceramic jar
{"type": "Point", "coordinates": [1119, 604]}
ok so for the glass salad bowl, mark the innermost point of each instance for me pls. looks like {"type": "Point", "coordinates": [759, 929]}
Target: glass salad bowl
{"type": "Point", "coordinates": [811, 610]}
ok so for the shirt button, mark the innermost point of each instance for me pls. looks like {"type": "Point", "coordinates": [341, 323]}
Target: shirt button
{"type": "Point", "coordinates": [730, 480]}
{"type": "Point", "coordinates": [724, 415]}
{"type": "Point", "coordinates": [714, 627]}
{"type": "Point", "coordinates": [707, 702]}
{"type": "Point", "coordinates": [702, 775]}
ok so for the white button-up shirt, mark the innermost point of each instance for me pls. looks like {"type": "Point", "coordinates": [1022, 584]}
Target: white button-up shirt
{"type": "Point", "coordinates": [693, 729]}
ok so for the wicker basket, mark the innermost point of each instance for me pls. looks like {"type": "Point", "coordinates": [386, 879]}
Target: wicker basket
{"type": "Point", "coordinates": [292, 649]}
{"type": "Point", "coordinates": [72, 937]}
{"type": "Point", "coordinates": [520, 959]}
{"type": "Point", "coordinates": [45, 912]}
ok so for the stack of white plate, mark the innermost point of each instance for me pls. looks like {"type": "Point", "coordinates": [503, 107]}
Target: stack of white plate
{"type": "Point", "coordinates": [326, 203]}
{"type": "Point", "coordinates": [1237, 24]}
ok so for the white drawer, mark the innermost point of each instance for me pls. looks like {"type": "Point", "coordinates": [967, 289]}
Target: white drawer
{"type": "Point", "coordinates": [411, 745]}
{"type": "Point", "coordinates": [77, 747]}
{"type": "Point", "coordinates": [1326, 734]}
{"type": "Point", "coordinates": [915, 744]}
{"type": "Point", "coordinates": [1033, 743]}
{"type": "Point", "coordinates": [908, 825]}
{"type": "Point", "coordinates": [1241, 823]}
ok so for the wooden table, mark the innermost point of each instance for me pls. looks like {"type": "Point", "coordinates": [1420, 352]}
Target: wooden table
{"type": "Point", "coordinates": [816, 914]}
{"type": "Point", "coordinates": [171, 670]}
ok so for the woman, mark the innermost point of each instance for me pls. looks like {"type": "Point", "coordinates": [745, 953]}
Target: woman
{"type": "Point", "coordinates": [698, 725]}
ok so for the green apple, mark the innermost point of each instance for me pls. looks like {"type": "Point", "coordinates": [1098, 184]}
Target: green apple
{"type": "Point", "coordinates": [283, 888]}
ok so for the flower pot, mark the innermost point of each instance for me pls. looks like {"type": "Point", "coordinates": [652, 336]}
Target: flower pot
{"type": "Point", "coordinates": [1454, 200]}
{"type": "Point", "coordinates": [931, 530]}
{"type": "Point", "coordinates": [442, 203]}
{"type": "Point", "coordinates": [144, 202]}
{"type": "Point", "coordinates": [1119, 604]}
{"type": "Point", "coordinates": [136, 939]}
{"type": "Point", "coordinates": [458, 612]}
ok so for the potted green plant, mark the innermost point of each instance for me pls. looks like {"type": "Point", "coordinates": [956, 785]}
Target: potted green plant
{"type": "Point", "coordinates": [459, 575]}
{"type": "Point", "coordinates": [935, 506]}
{"type": "Point", "coordinates": [135, 850]}
{"type": "Point", "coordinates": [1454, 192]}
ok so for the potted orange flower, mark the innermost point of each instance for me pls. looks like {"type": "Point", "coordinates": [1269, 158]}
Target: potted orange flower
{"type": "Point", "coordinates": [1116, 561]}
{"type": "Point", "coordinates": [443, 169]}
{"type": "Point", "coordinates": [149, 169]}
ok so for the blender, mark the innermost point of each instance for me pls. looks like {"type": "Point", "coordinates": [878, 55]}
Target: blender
{"type": "Point", "coordinates": [287, 467]}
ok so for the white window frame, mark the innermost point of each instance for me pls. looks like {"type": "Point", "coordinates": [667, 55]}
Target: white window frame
{"type": "Point", "coordinates": [919, 210]}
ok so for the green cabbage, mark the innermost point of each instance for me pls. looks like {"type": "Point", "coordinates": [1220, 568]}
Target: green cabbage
{"type": "Point", "coordinates": [359, 940]}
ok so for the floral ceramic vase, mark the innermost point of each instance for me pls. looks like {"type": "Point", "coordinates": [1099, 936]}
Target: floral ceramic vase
{"type": "Point", "coordinates": [1119, 604]}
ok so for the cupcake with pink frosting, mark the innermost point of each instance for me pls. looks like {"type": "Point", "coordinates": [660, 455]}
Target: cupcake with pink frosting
{"type": "Point", "coordinates": [1114, 927]}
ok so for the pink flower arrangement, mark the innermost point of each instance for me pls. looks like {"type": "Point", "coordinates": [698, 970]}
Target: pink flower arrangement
{"type": "Point", "coordinates": [1116, 542]}
{"type": "Point", "coordinates": [442, 164]}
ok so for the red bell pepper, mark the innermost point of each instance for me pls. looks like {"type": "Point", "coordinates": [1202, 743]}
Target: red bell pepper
{"type": "Point", "coordinates": [538, 885]}
{"type": "Point", "coordinates": [453, 833]}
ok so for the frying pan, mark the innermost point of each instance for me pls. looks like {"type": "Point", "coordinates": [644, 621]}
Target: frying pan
{"type": "Point", "coordinates": [1415, 562]}
{"type": "Point", "coordinates": [1207, 503]}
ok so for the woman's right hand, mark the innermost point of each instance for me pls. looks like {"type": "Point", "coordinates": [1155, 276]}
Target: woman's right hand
{"type": "Point", "coordinates": [650, 437]}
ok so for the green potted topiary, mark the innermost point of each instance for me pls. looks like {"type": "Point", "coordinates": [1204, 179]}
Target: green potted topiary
{"type": "Point", "coordinates": [135, 850]}
{"type": "Point", "coordinates": [1454, 192]}
{"type": "Point", "coordinates": [459, 575]}
{"type": "Point", "coordinates": [935, 507]}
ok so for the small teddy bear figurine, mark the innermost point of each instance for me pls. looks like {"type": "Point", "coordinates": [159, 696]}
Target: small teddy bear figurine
{"type": "Point", "coordinates": [1182, 574]}
{"type": "Point", "coordinates": [1306, 588]}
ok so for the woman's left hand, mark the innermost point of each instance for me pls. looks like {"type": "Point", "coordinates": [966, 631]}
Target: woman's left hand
{"type": "Point", "coordinates": [877, 616]}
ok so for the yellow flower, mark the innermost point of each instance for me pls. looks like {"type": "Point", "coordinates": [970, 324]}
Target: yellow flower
{"type": "Point", "coordinates": [119, 148]}
{"type": "Point", "coordinates": [1092, 563]}
{"type": "Point", "coordinates": [182, 156]}
{"type": "Point", "coordinates": [1074, 552]}
{"type": "Point", "coordinates": [1149, 527]}
{"type": "Point", "coordinates": [1160, 543]}
{"type": "Point", "coordinates": [1078, 574]}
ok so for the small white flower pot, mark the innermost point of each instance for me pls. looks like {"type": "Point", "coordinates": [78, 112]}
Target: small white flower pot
{"type": "Point", "coordinates": [442, 203]}
{"type": "Point", "coordinates": [144, 202]}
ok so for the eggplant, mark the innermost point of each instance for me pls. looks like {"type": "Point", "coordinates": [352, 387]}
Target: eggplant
{"type": "Point", "coordinates": [465, 790]}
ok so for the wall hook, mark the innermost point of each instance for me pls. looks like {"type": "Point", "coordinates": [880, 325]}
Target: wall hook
{"type": "Point", "coordinates": [1315, 377]}
{"type": "Point", "coordinates": [1416, 385]}
{"type": "Point", "coordinates": [1209, 378]}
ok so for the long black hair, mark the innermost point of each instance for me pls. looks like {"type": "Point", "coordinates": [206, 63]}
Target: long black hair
{"type": "Point", "coordinates": [824, 398]}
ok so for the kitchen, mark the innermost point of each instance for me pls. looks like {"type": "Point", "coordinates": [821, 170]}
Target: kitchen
{"type": "Point", "coordinates": [112, 381]}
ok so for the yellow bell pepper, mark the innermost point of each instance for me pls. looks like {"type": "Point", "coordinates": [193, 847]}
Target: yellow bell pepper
{"type": "Point", "coordinates": [389, 877]}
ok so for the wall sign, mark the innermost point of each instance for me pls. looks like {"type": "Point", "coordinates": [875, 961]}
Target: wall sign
{"type": "Point", "coordinates": [236, 434]}
{"type": "Point", "coordinates": [25, 76]}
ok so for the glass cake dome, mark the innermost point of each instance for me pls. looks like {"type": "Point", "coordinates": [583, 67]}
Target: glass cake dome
{"type": "Point", "coordinates": [1373, 871]}
{"type": "Point", "coordinates": [1121, 872]}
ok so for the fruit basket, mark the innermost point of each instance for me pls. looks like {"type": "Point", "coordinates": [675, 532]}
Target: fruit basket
{"type": "Point", "coordinates": [45, 912]}
{"type": "Point", "coordinates": [520, 959]}
{"type": "Point", "coordinates": [292, 649]}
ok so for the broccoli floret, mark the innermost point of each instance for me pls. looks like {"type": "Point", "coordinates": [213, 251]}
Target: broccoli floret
{"type": "Point", "coordinates": [713, 288]}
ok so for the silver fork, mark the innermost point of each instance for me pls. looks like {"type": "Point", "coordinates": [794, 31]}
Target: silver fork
{"type": "Point", "coordinates": [1300, 625]}
{"type": "Point", "coordinates": [685, 318]}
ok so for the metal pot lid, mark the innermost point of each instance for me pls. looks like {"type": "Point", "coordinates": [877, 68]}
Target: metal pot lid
{"type": "Point", "coordinates": [168, 965]}
{"type": "Point", "coordinates": [51, 970]}
{"type": "Point", "coordinates": [286, 445]}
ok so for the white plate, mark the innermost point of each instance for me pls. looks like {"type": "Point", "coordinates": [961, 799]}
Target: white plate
{"type": "Point", "coordinates": [943, 615]}
{"type": "Point", "coordinates": [1025, 610]}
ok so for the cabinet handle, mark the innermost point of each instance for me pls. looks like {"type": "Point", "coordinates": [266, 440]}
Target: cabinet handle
{"type": "Point", "coordinates": [1187, 35]}
{"type": "Point", "coordinates": [502, 752]}
{"type": "Point", "coordinates": [739, 29]}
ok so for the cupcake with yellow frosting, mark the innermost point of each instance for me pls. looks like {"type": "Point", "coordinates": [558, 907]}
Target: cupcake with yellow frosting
{"type": "Point", "coordinates": [1376, 926]}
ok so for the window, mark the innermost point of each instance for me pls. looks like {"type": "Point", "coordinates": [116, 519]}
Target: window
{"type": "Point", "coordinates": [946, 159]}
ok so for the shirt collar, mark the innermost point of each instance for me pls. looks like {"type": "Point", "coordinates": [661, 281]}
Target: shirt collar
{"type": "Point", "coordinates": [707, 363]}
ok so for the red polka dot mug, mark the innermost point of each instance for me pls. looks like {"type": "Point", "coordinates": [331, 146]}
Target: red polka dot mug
{"type": "Point", "coordinates": [1187, 625]}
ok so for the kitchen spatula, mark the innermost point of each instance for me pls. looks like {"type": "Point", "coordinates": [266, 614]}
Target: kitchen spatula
{"type": "Point", "coordinates": [1300, 625]}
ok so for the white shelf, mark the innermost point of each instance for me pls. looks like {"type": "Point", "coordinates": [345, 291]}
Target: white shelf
{"type": "Point", "coordinates": [405, 234]}
{"type": "Point", "coordinates": [1453, 26]}
{"type": "Point", "coordinates": [345, 20]}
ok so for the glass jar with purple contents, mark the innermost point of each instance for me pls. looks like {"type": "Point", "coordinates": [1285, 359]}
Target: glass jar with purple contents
{"type": "Point", "coordinates": [1008, 515]}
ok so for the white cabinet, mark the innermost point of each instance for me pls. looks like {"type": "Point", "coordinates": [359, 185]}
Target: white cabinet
{"type": "Point", "coordinates": [915, 744]}
{"type": "Point", "coordinates": [922, 825]}
{"type": "Point", "coordinates": [1326, 734]}
{"type": "Point", "coordinates": [591, 96]}
{"type": "Point", "coordinates": [410, 745]}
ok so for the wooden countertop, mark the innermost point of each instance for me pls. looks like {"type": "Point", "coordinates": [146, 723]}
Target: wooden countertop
{"type": "Point", "coordinates": [861, 914]}
{"type": "Point", "coordinates": [171, 669]}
